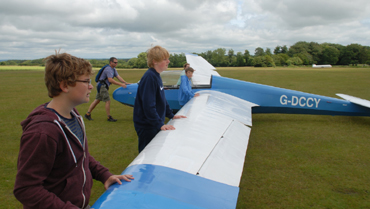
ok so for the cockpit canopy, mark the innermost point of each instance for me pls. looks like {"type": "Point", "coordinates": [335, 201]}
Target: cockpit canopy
{"type": "Point", "coordinates": [171, 79]}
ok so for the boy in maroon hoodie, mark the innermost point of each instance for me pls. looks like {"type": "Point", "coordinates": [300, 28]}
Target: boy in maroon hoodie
{"type": "Point", "coordinates": [55, 169]}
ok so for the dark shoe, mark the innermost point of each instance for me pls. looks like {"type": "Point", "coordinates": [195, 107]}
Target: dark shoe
{"type": "Point", "coordinates": [111, 119]}
{"type": "Point", "coordinates": [88, 117]}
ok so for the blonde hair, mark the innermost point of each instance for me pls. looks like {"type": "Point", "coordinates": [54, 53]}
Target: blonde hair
{"type": "Point", "coordinates": [63, 67]}
{"type": "Point", "coordinates": [156, 53]}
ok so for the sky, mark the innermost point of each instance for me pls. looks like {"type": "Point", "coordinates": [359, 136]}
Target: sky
{"type": "Point", "coordinates": [33, 29]}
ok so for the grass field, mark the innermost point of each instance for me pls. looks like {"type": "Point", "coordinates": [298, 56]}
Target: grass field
{"type": "Point", "coordinates": [293, 161]}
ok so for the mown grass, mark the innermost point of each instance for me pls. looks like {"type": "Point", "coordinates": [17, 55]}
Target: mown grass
{"type": "Point", "coordinates": [10, 67]}
{"type": "Point", "coordinates": [293, 161]}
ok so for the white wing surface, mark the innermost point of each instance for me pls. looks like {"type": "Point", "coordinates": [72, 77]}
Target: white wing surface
{"type": "Point", "coordinates": [211, 142]}
{"type": "Point", "coordinates": [356, 100]}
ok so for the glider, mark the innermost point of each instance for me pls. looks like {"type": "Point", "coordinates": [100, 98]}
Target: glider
{"type": "Point", "coordinates": [199, 165]}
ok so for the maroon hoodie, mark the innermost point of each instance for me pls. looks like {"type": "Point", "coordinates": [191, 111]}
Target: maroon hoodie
{"type": "Point", "coordinates": [54, 169]}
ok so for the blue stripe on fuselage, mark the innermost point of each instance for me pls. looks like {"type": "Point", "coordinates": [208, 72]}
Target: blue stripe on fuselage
{"type": "Point", "coordinates": [279, 100]}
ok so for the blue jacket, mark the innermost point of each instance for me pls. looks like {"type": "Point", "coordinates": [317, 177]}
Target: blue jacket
{"type": "Point", "coordinates": [151, 106]}
{"type": "Point", "coordinates": [185, 91]}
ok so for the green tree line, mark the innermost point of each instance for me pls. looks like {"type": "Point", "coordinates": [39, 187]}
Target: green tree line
{"type": "Point", "coordinates": [301, 53]}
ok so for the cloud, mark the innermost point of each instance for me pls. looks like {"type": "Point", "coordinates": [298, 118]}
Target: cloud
{"type": "Point", "coordinates": [298, 14]}
{"type": "Point", "coordinates": [123, 28]}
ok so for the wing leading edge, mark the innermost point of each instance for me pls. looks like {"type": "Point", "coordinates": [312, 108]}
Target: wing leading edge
{"type": "Point", "coordinates": [198, 165]}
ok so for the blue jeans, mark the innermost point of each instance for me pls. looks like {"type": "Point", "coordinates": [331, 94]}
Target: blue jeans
{"type": "Point", "coordinates": [145, 136]}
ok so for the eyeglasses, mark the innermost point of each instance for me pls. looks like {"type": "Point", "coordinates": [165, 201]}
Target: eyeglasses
{"type": "Point", "coordinates": [115, 62]}
{"type": "Point", "coordinates": [84, 81]}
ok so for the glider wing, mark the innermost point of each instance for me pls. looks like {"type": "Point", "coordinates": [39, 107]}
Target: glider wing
{"type": "Point", "coordinates": [198, 165]}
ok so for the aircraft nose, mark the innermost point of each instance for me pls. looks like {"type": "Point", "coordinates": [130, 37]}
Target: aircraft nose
{"type": "Point", "coordinates": [126, 95]}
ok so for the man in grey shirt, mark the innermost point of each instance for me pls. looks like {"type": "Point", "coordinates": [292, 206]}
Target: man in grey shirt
{"type": "Point", "coordinates": [106, 78]}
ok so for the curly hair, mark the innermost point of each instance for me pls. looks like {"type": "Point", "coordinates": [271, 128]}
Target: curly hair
{"type": "Point", "coordinates": [64, 67]}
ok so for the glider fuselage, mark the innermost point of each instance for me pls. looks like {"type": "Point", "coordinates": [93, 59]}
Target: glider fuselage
{"type": "Point", "coordinates": [270, 99]}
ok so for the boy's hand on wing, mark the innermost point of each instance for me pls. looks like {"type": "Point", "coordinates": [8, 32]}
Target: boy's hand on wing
{"type": "Point", "coordinates": [117, 179]}
{"type": "Point", "coordinates": [167, 127]}
{"type": "Point", "coordinates": [179, 116]}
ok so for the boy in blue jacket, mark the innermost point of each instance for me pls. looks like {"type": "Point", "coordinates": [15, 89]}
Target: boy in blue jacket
{"type": "Point", "coordinates": [151, 106]}
{"type": "Point", "coordinates": [185, 91]}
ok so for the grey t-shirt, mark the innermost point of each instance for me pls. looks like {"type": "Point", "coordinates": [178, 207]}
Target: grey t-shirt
{"type": "Point", "coordinates": [108, 72]}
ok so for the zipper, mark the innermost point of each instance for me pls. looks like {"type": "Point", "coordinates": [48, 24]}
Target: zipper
{"type": "Point", "coordinates": [83, 185]}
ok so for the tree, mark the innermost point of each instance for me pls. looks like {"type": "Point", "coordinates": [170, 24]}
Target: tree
{"type": "Point", "coordinates": [259, 52]}
{"type": "Point", "coordinates": [11, 62]}
{"type": "Point", "coordinates": [230, 55]}
{"type": "Point", "coordinates": [284, 49]}
{"type": "Point", "coordinates": [280, 50]}
{"type": "Point", "coordinates": [305, 57]}
{"type": "Point", "coordinates": [264, 61]}
{"type": "Point", "coordinates": [132, 62]}
{"type": "Point", "coordinates": [251, 61]}
{"type": "Point", "coordinates": [315, 50]}
{"type": "Point", "coordinates": [299, 47]}
{"type": "Point", "coordinates": [141, 60]}
{"type": "Point", "coordinates": [206, 55]}
{"type": "Point", "coordinates": [94, 62]}
{"type": "Point", "coordinates": [35, 62]}
{"type": "Point", "coordinates": [364, 55]}
{"type": "Point", "coordinates": [277, 50]}
{"type": "Point", "coordinates": [232, 62]}
{"type": "Point", "coordinates": [329, 55]}
{"type": "Point", "coordinates": [280, 59]}
{"type": "Point", "coordinates": [269, 61]}
{"type": "Point", "coordinates": [351, 54]}
{"type": "Point", "coordinates": [294, 61]}
{"type": "Point", "coordinates": [268, 51]}
{"type": "Point", "coordinates": [240, 61]}
{"type": "Point", "coordinates": [218, 58]}
{"type": "Point", "coordinates": [177, 60]}
{"type": "Point", "coordinates": [138, 62]}
{"type": "Point", "coordinates": [247, 56]}
{"type": "Point", "coordinates": [259, 61]}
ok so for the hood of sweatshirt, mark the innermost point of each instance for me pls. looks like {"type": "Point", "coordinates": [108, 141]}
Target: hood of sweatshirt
{"type": "Point", "coordinates": [38, 115]}
{"type": "Point", "coordinates": [42, 114]}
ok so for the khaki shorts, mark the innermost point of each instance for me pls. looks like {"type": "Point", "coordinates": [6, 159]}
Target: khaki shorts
{"type": "Point", "coordinates": [103, 95]}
